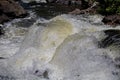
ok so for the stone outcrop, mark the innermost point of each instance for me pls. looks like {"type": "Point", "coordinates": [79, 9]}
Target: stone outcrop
{"type": "Point", "coordinates": [112, 19]}
{"type": "Point", "coordinates": [10, 9]}
{"type": "Point", "coordinates": [91, 10]}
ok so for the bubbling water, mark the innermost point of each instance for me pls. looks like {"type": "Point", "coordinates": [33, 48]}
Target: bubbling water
{"type": "Point", "coordinates": [63, 48]}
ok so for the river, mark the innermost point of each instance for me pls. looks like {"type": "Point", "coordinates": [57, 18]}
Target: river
{"type": "Point", "coordinates": [66, 47]}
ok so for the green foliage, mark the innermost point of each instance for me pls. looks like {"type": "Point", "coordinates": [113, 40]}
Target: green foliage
{"type": "Point", "coordinates": [108, 7]}
{"type": "Point", "coordinates": [118, 10]}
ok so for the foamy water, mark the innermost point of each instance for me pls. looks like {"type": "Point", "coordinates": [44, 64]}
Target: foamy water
{"type": "Point", "coordinates": [28, 1]}
{"type": "Point", "coordinates": [63, 48]}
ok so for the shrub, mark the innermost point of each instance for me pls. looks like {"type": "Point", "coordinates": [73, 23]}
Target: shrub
{"type": "Point", "coordinates": [108, 7]}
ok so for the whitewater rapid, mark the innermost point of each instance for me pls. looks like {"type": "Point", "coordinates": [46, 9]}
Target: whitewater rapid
{"type": "Point", "coordinates": [65, 47]}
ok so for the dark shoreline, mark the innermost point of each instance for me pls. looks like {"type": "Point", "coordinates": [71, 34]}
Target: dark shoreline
{"type": "Point", "coordinates": [49, 10]}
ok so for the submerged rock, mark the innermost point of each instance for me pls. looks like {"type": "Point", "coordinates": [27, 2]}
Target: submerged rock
{"type": "Point", "coordinates": [1, 31]}
{"type": "Point", "coordinates": [6, 78]}
{"type": "Point", "coordinates": [112, 38]}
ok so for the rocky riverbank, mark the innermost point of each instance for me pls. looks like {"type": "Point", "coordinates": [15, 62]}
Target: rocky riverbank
{"type": "Point", "coordinates": [10, 9]}
{"type": "Point", "coordinates": [77, 7]}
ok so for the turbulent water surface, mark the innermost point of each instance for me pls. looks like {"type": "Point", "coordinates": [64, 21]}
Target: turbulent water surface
{"type": "Point", "coordinates": [65, 47]}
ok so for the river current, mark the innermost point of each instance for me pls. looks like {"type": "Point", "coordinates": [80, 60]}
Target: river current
{"type": "Point", "coordinates": [66, 47]}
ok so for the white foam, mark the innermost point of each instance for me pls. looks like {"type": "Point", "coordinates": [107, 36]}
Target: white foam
{"type": "Point", "coordinates": [79, 58]}
{"type": "Point", "coordinates": [65, 47]}
{"type": "Point", "coordinates": [28, 1]}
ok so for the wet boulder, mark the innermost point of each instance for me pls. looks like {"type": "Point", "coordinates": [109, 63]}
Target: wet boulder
{"type": "Point", "coordinates": [10, 9]}
{"type": "Point", "coordinates": [3, 18]}
{"type": "Point", "coordinates": [111, 19]}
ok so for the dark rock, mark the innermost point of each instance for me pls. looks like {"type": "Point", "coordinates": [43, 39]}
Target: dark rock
{"type": "Point", "coordinates": [2, 58]}
{"type": "Point", "coordinates": [10, 6]}
{"type": "Point", "coordinates": [4, 18]}
{"type": "Point", "coordinates": [1, 32]}
{"type": "Point", "coordinates": [6, 78]}
{"type": "Point", "coordinates": [10, 9]}
{"type": "Point", "coordinates": [111, 19]}
{"type": "Point", "coordinates": [118, 66]}
{"type": "Point", "coordinates": [112, 32]}
{"type": "Point", "coordinates": [112, 38]}
{"type": "Point", "coordinates": [117, 60]}
{"type": "Point", "coordinates": [114, 73]}
{"type": "Point", "coordinates": [25, 22]}
{"type": "Point", "coordinates": [45, 75]}
{"type": "Point", "coordinates": [90, 10]}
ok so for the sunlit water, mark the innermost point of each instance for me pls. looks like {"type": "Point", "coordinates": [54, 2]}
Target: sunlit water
{"type": "Point", "coordinates": [63, 48]}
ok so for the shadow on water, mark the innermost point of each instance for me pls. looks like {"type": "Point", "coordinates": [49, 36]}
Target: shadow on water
{"type": "Point", "coordinates": [112, 38]}
{"type": "Point", "coordinates": [51, 10]}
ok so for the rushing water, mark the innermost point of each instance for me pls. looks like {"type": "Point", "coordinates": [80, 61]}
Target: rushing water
{"type": "Point", "coordinates": [28, 1]}
{"type": "Point", "coordinates": [66, 47]}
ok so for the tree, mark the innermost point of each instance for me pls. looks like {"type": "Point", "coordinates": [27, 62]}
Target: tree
{"type": "Point", "coordinates": [108, 7]}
